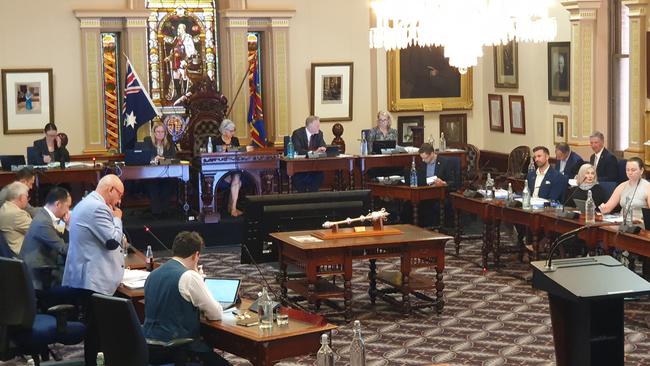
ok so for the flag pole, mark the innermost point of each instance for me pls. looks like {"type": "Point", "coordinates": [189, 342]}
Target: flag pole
{"type": "Point", "coordinates": [248, 70]}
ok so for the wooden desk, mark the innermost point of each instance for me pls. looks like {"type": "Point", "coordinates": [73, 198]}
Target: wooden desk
{"type": "Point", "coordinates": [180, 171]}
{"type": "Point", "coordinates": [412, 194]}
{"type": "Point", "coordinates": [266, 347]}
{"type": "Point", "coordinates": [479, 207]}
{"type": "Point", "coordinates": [214, 166]}
{"type": "Point", "coordinates": [88, 177]}
{"type": "Point", "coordinates": [293, 166]}
{"type": "Point", "coordinates": [416, 247]}
{"type": "Point", "coordinates": [365, 163]}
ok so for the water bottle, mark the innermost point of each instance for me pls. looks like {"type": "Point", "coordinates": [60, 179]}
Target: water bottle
{"type": "Point", "coordinates": [443, 142]}
{"type": "Point", "coordinates": [413, 181]}
{"type": "Point", "coordinates": [357, 347]}
{"type": "Point", "coordinates": [149, 258]}
{"type": "Point", "coordinates": [209, 147]}
{"type": "Point", "coordinates": [511, 194]}
{"type": "Point", "coordinates": [325, 355]}
{"type": "Point", "coordinates": [364, 145]}
{"type": "Point", "coordinates": [291, 153]}
{"type": "Point", "coordinates": [628, 218]}
{"type": "Point", "coordinates": [590, 209]}
{"type": "Point", "coordinates": [100, 358]}
{"type": "Point", "coordinates": [525, 201]}
{"type": "Point", "coordinates": [265, 310]}
{"type": "Point", "coordinates": [489, 188]}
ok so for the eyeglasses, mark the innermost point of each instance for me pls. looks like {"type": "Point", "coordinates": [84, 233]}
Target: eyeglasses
{"type": "Point", "coordinates": [120, 193]}
{"type": "Point", "coordinates": [51, 134]}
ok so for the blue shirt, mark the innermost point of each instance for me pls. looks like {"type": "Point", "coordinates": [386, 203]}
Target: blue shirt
{"type": "Point", "coordinates": [431, 169]}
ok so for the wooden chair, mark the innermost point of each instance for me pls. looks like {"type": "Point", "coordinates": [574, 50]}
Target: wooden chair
{"type": "Point", "coordinates": [472, 173]}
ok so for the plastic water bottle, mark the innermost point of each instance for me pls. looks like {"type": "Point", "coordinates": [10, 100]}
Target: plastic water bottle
{"type": "Point", "coordinates": [590, 209]}
{"type": "Point", "coordinates": [525, 201]}
{"type": "Point", "coordinates": [443, 142]}
{"type": "Point", "coordinates": [100, 359]}
{"type": "Point", "coordinates": [209, 147]}
{"type": "Point", "coordinates": [265, 310]}
{"type": "Point", "coordinates": [325, 355]}
{"type": "Point", "coordinates": [364, 145]}
{"type": "Point", "coordinates": [291, 153]}
{"type": "Point", "coordinates": [413, 181]}
{"type": "Point", "coordinates": [357, 347]}
{"type": "Point", "coordinates": [489, 188]}
{"type": "Point", "coordinates": [511, 194]}
{"type": "Point", "coordinates": [149, 258]}
{"type": "Point", "coordinates": [628, 218]}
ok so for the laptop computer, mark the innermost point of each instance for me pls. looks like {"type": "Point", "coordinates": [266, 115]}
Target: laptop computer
{"type": "Point", "coordinates": [8, 161]}
{"type": "Point", "coordinates": [377, 146]}
{"type": "Point", "coordinates": [138, 157]}
{"type": "Point", "coordinates": [580, 204]}
{"type": "Point", "coordinates": [332, 151]}
{"type": "Point", "coordinates": [224, 290]}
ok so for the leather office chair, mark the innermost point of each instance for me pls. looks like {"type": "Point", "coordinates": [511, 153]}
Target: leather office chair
{"type": "Point", "coordinates": [32, 156]}
{"type": "Point", "coordinates": [122, 340]}
{"type": "Point", "coordinates": [23, 331]}
{"type": "Point", "coordinates": [5, 251]}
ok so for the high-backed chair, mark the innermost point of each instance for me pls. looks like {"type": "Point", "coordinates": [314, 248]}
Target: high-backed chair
{"type": "Point", "coordinates": [518, 161]}
{"type": "Point", "coordinates": [472, 172]}
{"type": "Point", "coordinates": [23, 331]}
{"type": "Point", "coordinates": [122, 340]}
{"type": "Point", "coordinates": [5, 251]}
{"type": "Point", "coordinates": [622, 175]}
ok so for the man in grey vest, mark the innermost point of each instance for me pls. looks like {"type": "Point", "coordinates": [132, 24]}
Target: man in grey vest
{"type": "Point", "coordinates": [176, 296]}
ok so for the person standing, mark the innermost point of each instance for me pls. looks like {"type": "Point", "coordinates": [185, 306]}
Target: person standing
{"type": "Point", "coordinates": [605, 163]}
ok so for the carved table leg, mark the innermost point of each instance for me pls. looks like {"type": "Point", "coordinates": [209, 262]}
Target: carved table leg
{"type": "Point", "coordinates": [415, 213]}
{"type": "Point", "coordinates": [372, 276]}
{"type": "Point", "coordinates": [347, 299]}
{"type": "Point", "coordinates": [497, 243]}
{"type": "Point", "coordinates": [440, 285]}
{"type": "Point", "coordinates": [311, 294]}
{"type": "Point", "coordinates": [283, 282]}
{"type": "Point", "coordinates": [486, 244]}
{"type": "Point", "coordinates": [406, 293]}
{"type": "Point", "coordinates": [459, 230]}
{"type": "Point", "coordinates": [290, 184]}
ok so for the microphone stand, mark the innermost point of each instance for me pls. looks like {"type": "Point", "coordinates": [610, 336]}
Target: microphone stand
{"type": "Point", "coordinates": [570, 215]}
{"type": "Point", "coordinates": [565, 237]}
{"type": "Point", "coordinates": [148, 230]}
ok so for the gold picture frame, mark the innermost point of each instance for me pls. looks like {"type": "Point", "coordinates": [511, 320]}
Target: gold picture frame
{"type": "Point", "coordinates": [432, 61]}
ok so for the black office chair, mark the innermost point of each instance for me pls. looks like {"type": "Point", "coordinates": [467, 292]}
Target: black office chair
{"type": "Point", "coordinates": [5, 251]}
{"type": "Point", "coordinates": [122, 340]}
{"type": "Point", "coordinates": [23, 331]}
{"type": "Point", "coordinates": [33, 158]}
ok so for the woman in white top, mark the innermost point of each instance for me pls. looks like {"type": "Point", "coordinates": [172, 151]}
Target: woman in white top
{"type": "Point", "coordinates": [634, 193]}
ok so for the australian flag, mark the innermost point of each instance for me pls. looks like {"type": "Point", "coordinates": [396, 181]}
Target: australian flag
{"type": "Point", "coordinates": [137, 109]}
{"type": "Point", "coordinates": [255, 115]}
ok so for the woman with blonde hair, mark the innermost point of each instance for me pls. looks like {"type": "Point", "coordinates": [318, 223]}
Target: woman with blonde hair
{"type": "Point", "coordinates": [158, 141]}
{"type": "Point", "coordinates": [160, 190]}
{"type": "Point", "coordinates": [382, 131]}
{"type": "Point", "coordinates": [587, 181]}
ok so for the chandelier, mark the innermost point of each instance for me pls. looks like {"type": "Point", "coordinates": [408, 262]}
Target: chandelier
{"type": "Point", "coordinates": [462, 27]}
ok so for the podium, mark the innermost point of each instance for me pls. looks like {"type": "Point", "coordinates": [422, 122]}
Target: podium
{"type": "Point", "coordinates": [586, 302]}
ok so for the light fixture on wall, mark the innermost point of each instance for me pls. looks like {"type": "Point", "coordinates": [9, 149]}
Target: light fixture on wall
{"type": "Point", "coordinates": [462, 27]}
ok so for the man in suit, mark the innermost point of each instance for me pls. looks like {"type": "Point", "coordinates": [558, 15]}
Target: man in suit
{"type": "Point", "coordinates": [438, 167]}
{"type": "Point", "coordinates": [545, 182]}
{"type": "Point", "coordinates": [27, 177]}
{"type": "Point", "coordinates": [14, 220]}
{"type": "Point", "coordinates": [95, 261]}
{"type": "Point", "coordinates": [568, 162]}
{"type": "Point", "coordinates": [304, 139]}
{"type": "Point", "coordinates": [44, 244]}
{"type": "Point", "coordinates": [606, 164]}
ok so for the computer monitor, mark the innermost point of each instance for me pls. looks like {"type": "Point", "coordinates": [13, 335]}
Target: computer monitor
{"type": "Point", "coordinates": [8, 161]}
{"type": "Point", "coordinates": [377, 146]}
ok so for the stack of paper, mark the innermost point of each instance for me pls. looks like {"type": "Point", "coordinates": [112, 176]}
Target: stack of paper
{"type": "Point", "coordinates": [134, 278]}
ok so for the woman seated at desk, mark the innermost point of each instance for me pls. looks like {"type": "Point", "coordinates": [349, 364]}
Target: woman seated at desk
{"type": "Point", "coordinates": [383, 131]}
{"type": "Point", "coordinates": [634, 193]}
{"type": "Point", "coordinates": [587, 181]}
{"type": "Point", "coordinates": [228, 140]}
{"type": "Point", "coordinates": [50, 148]}
{"type": "Point", "coordinates": [160, 190]}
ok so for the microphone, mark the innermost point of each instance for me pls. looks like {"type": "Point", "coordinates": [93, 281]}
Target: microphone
{"type": "Point", "coordinates": [565, 237]}
{"type": "Point", "coordinates": [471, 193]}
{"type": "Point", "coordinates": [625, 228]}
{"type": "Point", "coordinates": [566, 214]}
{"type": "Point", "coordinates": [148, 230]}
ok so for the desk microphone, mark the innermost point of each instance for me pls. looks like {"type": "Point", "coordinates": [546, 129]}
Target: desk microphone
{"type": "Point", "coordinates": [148, 230]}
{"type": "Point", "coordinates": [566, 214]}
{"type": "Point", "coordinates": [625, 228]}
{"type": "Point", "coordinates": [564, 238]}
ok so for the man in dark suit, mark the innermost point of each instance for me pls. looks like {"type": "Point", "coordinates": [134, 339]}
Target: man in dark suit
{"type": "Point", "coordinates": [545, 182]}
{"type": "Point", "coordinates": [568, 162]}
{"type": "Point", "coordinates": [304, 139]}
{"type": "Point", "coordinates": [441, 168]}
{"type": "Point", "coordinates": [44, 244]}
{"type": "Point", "coordinates": [606, 164]}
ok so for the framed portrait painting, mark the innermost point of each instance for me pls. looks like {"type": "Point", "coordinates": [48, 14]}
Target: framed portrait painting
{"type": "Point", "coordinates": [517, 114]}
{"type": "Point", "coordinates": [559, 77]}
{"type": "Point", "coordinates": [421, 79]}
{"type": "Point", "coordinates": [404, 125]}
{"type": "Point", "coordinates": [27, 100]}
{"type": "Point", "coordinates": [560, 123]}
{"type": "Point", "coordinates": [506, 66]}
{"type": "Point", "coordinates": [454, 126]}
{"type": "Point", "coordinates": [331, 91]}
{"type": "Point", "coordinates": [495, 104]}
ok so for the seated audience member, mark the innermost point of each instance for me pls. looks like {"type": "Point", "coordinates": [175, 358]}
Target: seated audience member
{"type": "Point", "coordinates": [544, 182]}
{"type": "Point", "coordinates": [304, 139]}
{"type": "Point", "coordinates": [162, 189]}
{"type": "Point", "coordinates": [633, 193]}
{"type": "Point", "coordinates": [606, 164]}
{"type": "Point", "coordinates": [228, 140]}
{"type": "Point", "coordinates": [438, 167]}
{"type": "Point", "coordinates": [14, 220]}
{"type": "Point", "coordinates": [568, 162]}
{"type": "Point", "coordinates": [177, 296]}
{"type": "Point", "coordinates": [44, 244]}
{"type": "Point", "coordinates": [382, 131]}
{"type": "Point", "coordinates": [587, 181]}
{"type": "Point", "coordinates": [27, 177]}
{"type": "Point", "coordinates": [50, 148]}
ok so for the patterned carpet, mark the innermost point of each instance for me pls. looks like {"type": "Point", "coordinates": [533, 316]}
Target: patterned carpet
{"type": "Point", "coordinates": [490, 318]}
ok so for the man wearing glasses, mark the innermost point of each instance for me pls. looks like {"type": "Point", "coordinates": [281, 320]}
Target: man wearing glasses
{"type": "Point", "coordinates": [95, 261]}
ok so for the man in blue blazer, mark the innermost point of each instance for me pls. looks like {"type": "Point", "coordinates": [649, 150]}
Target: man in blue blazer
{"type": "Point", "coordinates": [568, 162]}
{"type": "Point", "coordinates": [545, 182]}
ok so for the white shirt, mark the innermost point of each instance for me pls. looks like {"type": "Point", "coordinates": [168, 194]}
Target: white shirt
{"type": "Point", "coordinates": [597, 158]}
{"type": "Point", "coordinates": [193, 289]}
{"type": "Point", "coordinates": [563, 165]}
{"type": "Point", "coordinates": [539, 179]}
{"type": "Point", "coordinates": [59, 225]}
{"type": "Point", "coordinates": [308, 137]}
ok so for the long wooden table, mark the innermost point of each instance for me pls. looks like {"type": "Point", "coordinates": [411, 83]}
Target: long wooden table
{"type": "Point", "coordinates": [335, 164]}
{"type": "Point", "coordinates": [415, 195]}
{"type": "Point", "coordinates": [416, 247]}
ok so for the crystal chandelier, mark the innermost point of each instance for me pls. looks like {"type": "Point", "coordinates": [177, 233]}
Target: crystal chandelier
{"type": "Point", "coordinates": [462, 27]}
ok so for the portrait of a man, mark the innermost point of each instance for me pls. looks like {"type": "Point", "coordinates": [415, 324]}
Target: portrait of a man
{"type": "Point", "coordinates": [559, 71]}
{"type": "Point", "coordinates": [181, 53]}
{"type": "Point", "coordinates": [425, 73]}
{"type": "Point", "coordinates": [332, 88]}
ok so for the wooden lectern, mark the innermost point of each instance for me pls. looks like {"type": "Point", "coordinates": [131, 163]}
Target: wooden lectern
{"type": "Point", "coordinates": [586, 302]}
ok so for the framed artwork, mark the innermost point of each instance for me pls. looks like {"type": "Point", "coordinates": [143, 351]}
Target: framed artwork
{"type": "Point", "coordinates": [404, 124]}
{"type": "Point", "coordinates": [27, 100]}
{"type": "Point", "coordinates": [559, 77]}
{"type": "Point", "coordinates": [454, 126]}
{"type": "Point", "coordinates": [560, 123]}
{"type": "Point", "coordinates": [517, 114]}
{"type": "Point", "coordinates": [495, 103]}
{"type": "Point", "coordinates": [506, 66]}
{"type": "Point", "coordinates": [421, 79]}
{"type": "Point", "coordinates": [331, 91]}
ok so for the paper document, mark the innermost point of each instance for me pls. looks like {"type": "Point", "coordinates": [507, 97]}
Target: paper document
{"type": "Point", "coordinates": [573, 182]}
{"type": "Point", "coordinates": [305, 239]}
{"type": "Point", "coordinates": [134, 278]}
{"type": "Point", "coordinates": [613, 218]}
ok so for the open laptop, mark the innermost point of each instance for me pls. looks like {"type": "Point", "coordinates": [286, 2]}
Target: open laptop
{"type": "Point", "coordinates": [377, 146]}
{"type": "Point", "coordinates": [580, 204]}
{"type": "Point", "coordinates": [138, 157]}
{"type": "Point", "coordinates": [224, 290]}
{"type": "Point", "coordinates": [8, 161]}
